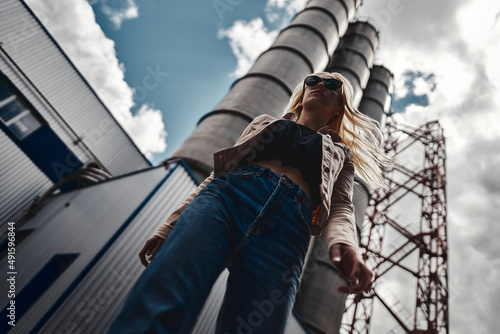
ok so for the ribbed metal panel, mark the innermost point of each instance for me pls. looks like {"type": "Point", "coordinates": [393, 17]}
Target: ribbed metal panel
{"type": "Point", "coordinates": [50, 71]}
{"type": "Point", "coordinates": [83, 221]}
{"type": "Point", "coordinates": [42, 107]}
{"type": "Point", "coordinates": [354, 56]}
{"type": "Point", "coordinates": [20, 180]}
{"type": "Point", "coordinates": [301, 48]}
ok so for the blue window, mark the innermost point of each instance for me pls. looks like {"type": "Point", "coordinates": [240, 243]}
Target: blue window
{"type": "Point", "coordinates": [26, 127]}
{"type": "Point", "coordinates": [15, 113]}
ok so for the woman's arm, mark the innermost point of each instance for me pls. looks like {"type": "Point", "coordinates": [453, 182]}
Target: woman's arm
{"type": "Point", "coordinates": [340, 233]}
{"type": "Point", "coordinates": [341, 225]}
{"type": "Point", "coordinates": [169, 224]}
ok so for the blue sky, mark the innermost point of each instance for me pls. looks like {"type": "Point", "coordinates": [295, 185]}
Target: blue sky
{"type": "Point", "coordinates": [181, 38]}
{"type": "Point", "coordinates": [444, 56]}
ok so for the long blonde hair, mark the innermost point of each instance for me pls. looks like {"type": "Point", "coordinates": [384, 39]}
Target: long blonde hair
{"type": "Point", "coordinates": [359, 132]}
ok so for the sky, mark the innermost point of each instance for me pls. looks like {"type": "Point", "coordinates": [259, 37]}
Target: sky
{"type": "Point", "coordinates": [159, 66]}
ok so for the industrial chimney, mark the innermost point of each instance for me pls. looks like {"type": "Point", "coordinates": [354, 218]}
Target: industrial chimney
{"type": "Point", "coordinates": [302, 47]}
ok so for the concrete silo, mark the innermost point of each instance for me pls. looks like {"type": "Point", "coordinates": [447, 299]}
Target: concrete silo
{"type": "Point", "coordinates": [302, 47]}
{"type": "Point", "coordinates": [376, 96]}
{"type": "Point", "coordinates": [354, 56]}
{"type": "Point", "coordinates": [375, 103]}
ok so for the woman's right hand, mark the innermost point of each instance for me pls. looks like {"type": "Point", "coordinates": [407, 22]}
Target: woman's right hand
{"type": "Point", "coordinates": [150, 248]}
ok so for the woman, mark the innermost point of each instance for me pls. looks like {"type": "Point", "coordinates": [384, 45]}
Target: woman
{"type": "Point", "coordinates": [283, 181]}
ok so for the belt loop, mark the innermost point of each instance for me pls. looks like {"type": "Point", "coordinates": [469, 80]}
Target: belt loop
{"type": "Point", "coordinates": [286, 180]}
{"type": "Point", "coordinates": [298, 196]}
{"type": "Point", "coordinates": [260, 170]}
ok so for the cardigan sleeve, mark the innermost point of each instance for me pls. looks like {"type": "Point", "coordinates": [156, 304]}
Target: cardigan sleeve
{"type": "Point", "coordinates": [166, 228]}
{"type": "Point", "coordinates": [341, 225]}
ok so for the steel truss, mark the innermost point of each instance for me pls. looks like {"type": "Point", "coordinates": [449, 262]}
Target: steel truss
{"type": "Point", "coordinates": [427, 237]}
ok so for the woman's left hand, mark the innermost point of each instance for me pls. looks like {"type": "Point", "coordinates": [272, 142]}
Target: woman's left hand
{"type": "Point", "coordinates": [351, 268]}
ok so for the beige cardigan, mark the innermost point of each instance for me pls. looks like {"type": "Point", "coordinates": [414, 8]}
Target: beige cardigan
{"type": "Point", "coordinates": [333, 218]}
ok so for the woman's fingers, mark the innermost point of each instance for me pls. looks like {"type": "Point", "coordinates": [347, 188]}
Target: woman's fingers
{"type": "Point", "coordinates": [349, 266]}
{"type": "Point", "coordinates": [366, 278]}
{"type": "Point", "coordinates": [150, 248]}
{"type": "Point", "coordinates": [338, 261]}
{"type": "Point", "coordinates": [355, 268]}
{"type": "Point", "coordinates": [142, 255]}
{"type": "Point", "coordinates": [361, 281]}
{"type": "Point", "coordinates": [158, 245]}
{"type": "Point", "coordinates": [146, 250]}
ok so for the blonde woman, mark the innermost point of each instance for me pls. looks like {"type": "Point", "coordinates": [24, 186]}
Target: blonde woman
{"type": "Point", "coordinates": [284, 180]}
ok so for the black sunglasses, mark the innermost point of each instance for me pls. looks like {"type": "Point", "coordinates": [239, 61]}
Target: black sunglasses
{"type": "Point", "coordinates": [314, 80]}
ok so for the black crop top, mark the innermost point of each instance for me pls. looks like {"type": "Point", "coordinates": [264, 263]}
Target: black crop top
{"type": "Point", "coordinates": [295, 145]}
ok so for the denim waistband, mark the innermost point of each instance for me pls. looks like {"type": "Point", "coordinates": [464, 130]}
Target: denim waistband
{"type": "Point", "coordinates": [292, 187]}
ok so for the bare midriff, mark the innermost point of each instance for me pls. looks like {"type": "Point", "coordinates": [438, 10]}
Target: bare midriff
{"type": "Point", "coordinates": [292, 172]}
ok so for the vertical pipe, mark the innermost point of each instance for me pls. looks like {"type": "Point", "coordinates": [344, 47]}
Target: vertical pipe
{"type": "Point", "coordinates": [376, 96]}
{"type": "Point", "coordinates": [354, 56]}
{"type": "Point", "coordinates": [375, 103]}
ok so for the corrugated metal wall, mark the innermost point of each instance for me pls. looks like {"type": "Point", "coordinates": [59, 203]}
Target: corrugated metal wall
{"type": "Point", "coordinates": [20, 179]}
{"type": "Point", "coordinates": [89, 221]}
{"type": "Point", "coordinates": [38, 56]}
{"type": "Point", "coordinates": [35, 64]}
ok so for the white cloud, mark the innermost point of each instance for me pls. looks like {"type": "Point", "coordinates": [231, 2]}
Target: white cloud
{"type": "Point", "coordinates": [283, 9]}
{"type": "Point", "coordinates": [73, 25]}
{"type": "Point", "coordinates": [421, 87]}
{"type": "Point", "coordinates": [459, 43]}
{"type": "Point", "coordinates": [247, 40]}
{"type": "Point", "coordinates": [147, 120]}
{"type": "Point", "coordinates": [127, 10]}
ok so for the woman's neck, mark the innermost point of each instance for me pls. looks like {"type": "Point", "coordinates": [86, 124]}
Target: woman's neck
{"type": "Point", "coordinates": [313, 123]}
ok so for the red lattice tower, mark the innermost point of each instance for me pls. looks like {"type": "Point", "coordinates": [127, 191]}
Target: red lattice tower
{"type": "Point", "coordinates": [416, 254]}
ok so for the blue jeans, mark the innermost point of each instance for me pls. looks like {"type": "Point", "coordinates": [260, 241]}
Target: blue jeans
{"type": "Point", "coordinates": [250, 220]}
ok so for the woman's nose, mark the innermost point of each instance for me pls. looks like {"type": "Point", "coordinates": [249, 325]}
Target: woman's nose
{"type": "Point", "coordinates": [320, 84]}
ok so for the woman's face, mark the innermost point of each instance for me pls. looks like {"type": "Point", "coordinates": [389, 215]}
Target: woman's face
{"type": "Point", "coordinates": [321, 100]}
